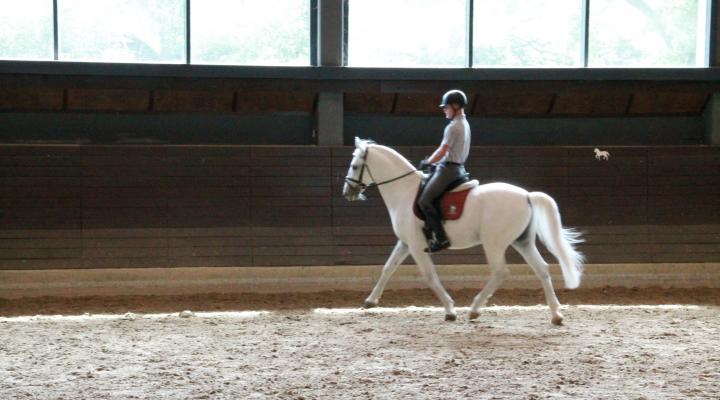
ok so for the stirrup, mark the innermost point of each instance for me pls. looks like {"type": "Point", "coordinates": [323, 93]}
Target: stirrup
{"type": "Point", "coordinates": [435, 245]}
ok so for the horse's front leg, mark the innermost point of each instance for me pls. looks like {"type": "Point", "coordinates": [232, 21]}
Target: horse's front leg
{"type": "Point", "coordinates": [427, 269]}
{"type": "Point", "coordinates": [398, 255]}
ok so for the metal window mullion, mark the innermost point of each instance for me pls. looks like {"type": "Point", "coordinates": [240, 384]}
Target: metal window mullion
{"type": "Point", "coordinates": [313, 32]}
{"type": "Point", "coordinates": [470, 20]}
{"type": "Point", "coordinates": [187, 32]}
{"type": "Point", "coordinates": [346, 21]}
{"type": "Point", "coordinates": [712, 25]}
{"type": "Point", "coordinates": [585, 32]}
{"type": "Point", "coordinates": [55, 31]}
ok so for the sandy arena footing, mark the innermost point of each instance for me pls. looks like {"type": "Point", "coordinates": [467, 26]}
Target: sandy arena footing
{"type": "Point", "coordinates": [616, 343]}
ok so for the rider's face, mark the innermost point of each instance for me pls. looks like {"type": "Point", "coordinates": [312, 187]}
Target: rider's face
{"type": "Point", "coordinates": [449, 112]}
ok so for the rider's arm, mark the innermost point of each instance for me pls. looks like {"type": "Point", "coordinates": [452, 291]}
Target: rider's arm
{"type": "Point", "coordinates": [438, 154]}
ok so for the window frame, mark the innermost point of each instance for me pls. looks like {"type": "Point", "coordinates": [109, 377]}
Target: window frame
{"type": "Point", "coordinates": [313, 4]}
{"type": "Point", "coordinates": [711, 46]}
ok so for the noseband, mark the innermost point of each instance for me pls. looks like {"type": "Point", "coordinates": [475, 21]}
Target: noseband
{"type": "Point", "coordinates": [359, 183]}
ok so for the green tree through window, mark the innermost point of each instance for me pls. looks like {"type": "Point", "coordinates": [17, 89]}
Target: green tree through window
{"type": "Point", "coordinates": [381, 33]}
{"type": "Point", "coordinates": [250, 32]}
{"type": "Point", "coordinates": [122, 30]}
{"type": "Point", "coordinates": [406, 33]}
{"type": "Point", "coordinates": [26, 30]}
{"type": "Point", "coordinates": [657, 33]}
{"type": "Point", "coordinates": [527, 33]}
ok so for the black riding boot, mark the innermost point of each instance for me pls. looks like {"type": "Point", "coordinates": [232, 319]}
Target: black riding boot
{"type": "Point", "coordinates": [433, 219]}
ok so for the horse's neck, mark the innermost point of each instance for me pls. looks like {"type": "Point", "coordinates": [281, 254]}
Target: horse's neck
{"type": "Point", "coordinates": [388, 164]}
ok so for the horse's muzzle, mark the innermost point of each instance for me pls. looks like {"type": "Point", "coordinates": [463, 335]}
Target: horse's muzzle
{"type": "Point", "coordinates": [352, 193]}
{"type": "Point", "coordinates": [348, 193]}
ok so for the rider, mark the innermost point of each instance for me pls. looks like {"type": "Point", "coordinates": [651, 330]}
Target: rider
{"type": "Point", "coordinates": [449, 159]}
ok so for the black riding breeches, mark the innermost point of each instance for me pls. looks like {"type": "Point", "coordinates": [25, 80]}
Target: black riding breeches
{"type": "Point", "coordinates": [445, 174]}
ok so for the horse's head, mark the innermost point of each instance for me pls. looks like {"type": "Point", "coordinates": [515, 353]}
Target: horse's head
{"type": "Point", "coordinates": [357, 180]}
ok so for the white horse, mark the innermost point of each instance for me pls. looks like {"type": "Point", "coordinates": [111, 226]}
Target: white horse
{"type": "Point", "coordinates": [601, 155]}
{"type": "Point", "coordinates": [496, 215]}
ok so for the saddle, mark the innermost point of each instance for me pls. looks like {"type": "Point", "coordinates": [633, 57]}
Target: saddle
{"type": "Point", "coordinates": [452, 202]}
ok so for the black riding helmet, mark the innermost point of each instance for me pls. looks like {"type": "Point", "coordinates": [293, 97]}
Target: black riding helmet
{"type": "Point", "coordinates": [454, 97]}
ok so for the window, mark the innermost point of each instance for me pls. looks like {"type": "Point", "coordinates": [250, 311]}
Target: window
{"type": "Point", "coordinates": [122, 30]}
{"type": "Point", "coordinates": [380, 33]}
{"type": "Point", "coordinates": [26, 30]}
{"type": "Point", "coordinates": [250, 32]}
{"type": "Point", "coordinates": [643, 33]}
{"type": "Point", "coordinates": [527, 33]}
{"type": "Point", "coordinates": [406, 33]}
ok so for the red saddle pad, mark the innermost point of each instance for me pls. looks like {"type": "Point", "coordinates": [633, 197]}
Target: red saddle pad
{"type": "Point", "coordinates": [452, 205]}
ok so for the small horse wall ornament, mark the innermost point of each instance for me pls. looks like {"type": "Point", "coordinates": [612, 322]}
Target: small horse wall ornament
{"type": "Point", "coordinates": [496, 215]}
{"type": "Point", "coordinates": [601, 155]}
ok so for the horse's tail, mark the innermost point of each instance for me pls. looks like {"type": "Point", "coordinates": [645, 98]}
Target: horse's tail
{"type": "Point", "coordinates": [546, 220]}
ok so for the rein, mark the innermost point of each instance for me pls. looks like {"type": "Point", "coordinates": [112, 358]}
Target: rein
{"type": "Point", "coordinates": [363, 186]}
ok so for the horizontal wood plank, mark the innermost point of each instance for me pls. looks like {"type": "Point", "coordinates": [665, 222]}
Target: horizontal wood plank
{"type": "Point", "coordinates": [168, 206]}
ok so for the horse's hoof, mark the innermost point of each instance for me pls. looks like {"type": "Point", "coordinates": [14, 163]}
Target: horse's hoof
{"type": "Point", "coordinates": [369, 304]}
{"type": "Point", "coordinates": [450, 317]}
{"type": "Point", "coordinates": [474, 315]}
{"type": "Point", "coordinates": [557, 320]}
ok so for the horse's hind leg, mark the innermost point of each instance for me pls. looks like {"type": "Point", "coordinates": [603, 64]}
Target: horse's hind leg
{"type": "Point", "coordinates": [398, 255]}
{"type": "Point", "coordinates": [499, 271]}
{"type": "Point", "coordinates": [530, 253]}
{"type": "Point", "coordinates": [427, 269]}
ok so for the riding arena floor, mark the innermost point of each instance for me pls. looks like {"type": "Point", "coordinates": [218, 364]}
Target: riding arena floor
{"type": "Point", "coordinates": [615, 344]}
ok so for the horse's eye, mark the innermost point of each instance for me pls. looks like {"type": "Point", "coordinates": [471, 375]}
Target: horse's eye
{"type": "Point", "coordinates": [354, 167]}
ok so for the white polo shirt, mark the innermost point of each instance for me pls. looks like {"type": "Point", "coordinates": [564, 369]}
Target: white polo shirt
{"type": "Point", "coordinates": [457, 137]}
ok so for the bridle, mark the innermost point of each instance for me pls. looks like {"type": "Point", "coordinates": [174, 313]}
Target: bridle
{"type": "Point", "coordinates": [359, 183]}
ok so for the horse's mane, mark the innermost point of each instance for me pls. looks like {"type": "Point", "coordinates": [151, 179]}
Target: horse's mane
{"type": "Point", "coordinates": [390, 151]}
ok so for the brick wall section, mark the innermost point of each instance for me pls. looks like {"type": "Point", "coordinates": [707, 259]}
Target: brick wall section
{"type": "Point", "coordinates": [178, 206]}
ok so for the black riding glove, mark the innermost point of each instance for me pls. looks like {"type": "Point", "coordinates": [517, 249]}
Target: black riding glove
{"type": "Point", "coordinates": [424, 165]}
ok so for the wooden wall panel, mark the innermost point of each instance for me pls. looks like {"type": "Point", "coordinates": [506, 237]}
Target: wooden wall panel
{"type": "Point", "coordinates": [523, 97]}
{"type": "Point", "coordinates": [40, 190]}
{"type": "Point", "coordinates": [378, 103]}
{"type": "Point", "coordinates": [668, 102]}
{"type": "Point", "coordinates": [119, 100]}
{"type": "Point", "coordinates": [274, 101]}
{"type": "Point", "coordinates": [518, 104]}
{"type": "Point", "coordinates": [172, 206]}
{"type": "Point", "coordinates": [31, 99]}
{"type": "Point", "coordinates": [418, 103]}
{"type": "Point", "coordinates": [587, 104]}
{"type": "Point", "coordinates": [193, 101]}
{"type": "Point", "coordinates": [683, 185]}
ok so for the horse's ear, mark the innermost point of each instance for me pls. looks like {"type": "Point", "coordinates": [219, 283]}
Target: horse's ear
{"type": "Point", "coordinates": [358, 142]}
